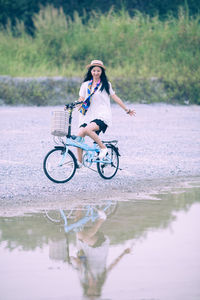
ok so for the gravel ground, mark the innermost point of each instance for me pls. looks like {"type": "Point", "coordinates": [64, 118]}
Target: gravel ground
{"type": "Point", "coordinates": [159, 147]}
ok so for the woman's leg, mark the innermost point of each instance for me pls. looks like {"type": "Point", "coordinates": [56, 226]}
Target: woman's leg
{"type": "Point", "coordinates": [89, 130]}
{"type": "Point", "coordinates": [80, 151]}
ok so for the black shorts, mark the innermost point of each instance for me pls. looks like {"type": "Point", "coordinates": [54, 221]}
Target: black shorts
{"type": "Point", "coordinates": [100, 123]}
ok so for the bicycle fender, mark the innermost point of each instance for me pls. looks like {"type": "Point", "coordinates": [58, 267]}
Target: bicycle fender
{"type": "Point", "coordinates": [114, 147]}
{"type": "Point", "coordinates": [60, 147]}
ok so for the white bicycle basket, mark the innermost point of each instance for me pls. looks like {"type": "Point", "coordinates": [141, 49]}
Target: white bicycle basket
{"type": "Point", "coordinates": [59, 123]}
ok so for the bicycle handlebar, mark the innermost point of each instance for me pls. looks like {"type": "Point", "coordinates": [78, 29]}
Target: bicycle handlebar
{"type": "Point", "coordinates": [73, 104]}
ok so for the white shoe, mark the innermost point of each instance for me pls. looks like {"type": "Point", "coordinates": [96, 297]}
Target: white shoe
{"type": "Point", "coordinates": [102, 215]}
{"type": "Point", "coordinates": [103, 153]}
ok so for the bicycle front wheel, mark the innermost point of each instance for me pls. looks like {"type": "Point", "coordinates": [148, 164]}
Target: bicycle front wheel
{"type": "Point", "coordinates": [59, 166]}
{"type": "Point", "coordinates": [109, 167]}
{"type": "Point", "coordinates": [56, 216]}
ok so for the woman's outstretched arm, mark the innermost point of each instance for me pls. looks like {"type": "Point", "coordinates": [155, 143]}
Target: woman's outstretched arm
{"type": "Point", "coordinates": [131, 112]}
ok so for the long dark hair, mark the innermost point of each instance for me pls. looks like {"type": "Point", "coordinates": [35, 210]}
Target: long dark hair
{"type": "Point", "coordinates": [104, 79]}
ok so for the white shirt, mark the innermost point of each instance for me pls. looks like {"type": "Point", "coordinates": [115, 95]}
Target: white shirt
{"type": "Point", "coordinates": [96, 257]}
{"type": "Point", "coordinates": [99, 105]}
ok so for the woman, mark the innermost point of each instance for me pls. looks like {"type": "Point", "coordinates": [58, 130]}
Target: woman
{"type": "Point", "coordinates": [95, 112]}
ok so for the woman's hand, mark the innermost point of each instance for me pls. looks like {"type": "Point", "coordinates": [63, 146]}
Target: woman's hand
{"type": "Point", "coordinates": [81, 99]}
{"type": "Point", "coordinates": [130, 112]}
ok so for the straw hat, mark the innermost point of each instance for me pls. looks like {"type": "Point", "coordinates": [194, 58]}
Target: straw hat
{"type": "Point", "coordinates": [97, 63]}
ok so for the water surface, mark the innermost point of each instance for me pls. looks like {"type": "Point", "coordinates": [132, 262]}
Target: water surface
{"type": "Point", "coordinates": [145, 249]}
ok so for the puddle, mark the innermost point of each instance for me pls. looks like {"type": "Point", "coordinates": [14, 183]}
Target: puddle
{"type": "Point", "coordinates": [137, 250]}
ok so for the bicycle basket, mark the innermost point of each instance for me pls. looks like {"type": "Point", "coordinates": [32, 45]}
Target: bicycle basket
{"type": "Point", "coordinates": [59, 123]}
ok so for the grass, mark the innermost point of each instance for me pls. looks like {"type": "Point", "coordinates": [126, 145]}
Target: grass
{"type": "Point", "coordinates": [134, 49]}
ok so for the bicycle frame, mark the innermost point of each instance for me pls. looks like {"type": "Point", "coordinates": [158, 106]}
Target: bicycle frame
{"type": "Point", "coordinates": [81, 145]}
{"type": "Point", "coordinates": [90, 215]}
{"type": "Point", "coordinates": [91, 150]}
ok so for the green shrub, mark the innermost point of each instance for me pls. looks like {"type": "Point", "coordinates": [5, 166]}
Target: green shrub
{"type": "Point", "coordinates": [136, 49]}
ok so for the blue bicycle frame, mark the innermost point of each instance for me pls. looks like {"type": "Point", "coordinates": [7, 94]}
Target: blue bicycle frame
{"type": "Point", "coordinates": [91, 215]}
{"type": "Point", "coordinates": [91, 150]}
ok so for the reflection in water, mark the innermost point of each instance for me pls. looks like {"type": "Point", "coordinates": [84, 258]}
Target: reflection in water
{"type": "Point", "coordinates": [89, 242]}
{"type": "Point", "coordinates": [92, 245]}
{"type": "Point", "coordinates": [90, 261]}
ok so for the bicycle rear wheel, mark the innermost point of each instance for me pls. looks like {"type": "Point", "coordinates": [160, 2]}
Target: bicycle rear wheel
{"type": "Point", "coordinates": [110, 166]}
{"type": "Point", "coordinates": [59, 166]}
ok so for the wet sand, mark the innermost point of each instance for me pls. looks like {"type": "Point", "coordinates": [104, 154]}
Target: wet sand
{"type": "Point", "coordinates": [160, 150]}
